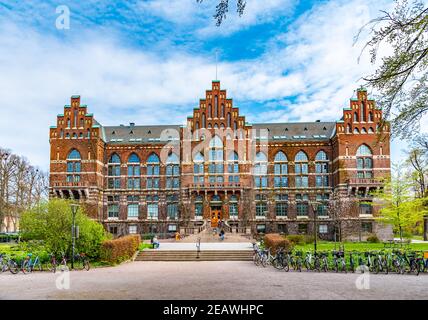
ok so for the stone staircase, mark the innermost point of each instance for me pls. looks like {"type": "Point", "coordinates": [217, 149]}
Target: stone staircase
{"type": "Point", "coordinates": [192, 255]}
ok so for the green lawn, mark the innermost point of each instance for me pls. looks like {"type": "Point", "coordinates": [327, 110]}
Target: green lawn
{"type": "Point", "coordinates": [359, 246]}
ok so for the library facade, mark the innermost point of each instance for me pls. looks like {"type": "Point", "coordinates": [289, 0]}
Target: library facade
{"type": "Point", "coordinates": [261, 177]}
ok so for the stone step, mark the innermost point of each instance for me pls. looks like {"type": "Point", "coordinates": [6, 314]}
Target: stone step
{"type": "Point", "coordinates": [188, 255]}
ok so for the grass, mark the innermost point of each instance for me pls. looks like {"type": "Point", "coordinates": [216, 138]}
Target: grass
{"type": "Point", "coordinates": [359, 246]}
{"type": "Point", "coordinates": [145, 246]}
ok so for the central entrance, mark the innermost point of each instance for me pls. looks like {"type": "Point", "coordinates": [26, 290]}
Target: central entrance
{"type": "Point", "coordinates": [215, 216]}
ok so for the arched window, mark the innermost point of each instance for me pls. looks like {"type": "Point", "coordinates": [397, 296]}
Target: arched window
{"type": "Point", "coordinates": [203, 121]}
{"type": "Point", "coordinates": [364, 162]}
{"type": "Point", "coordinates": [209, 114]}
{"type": "Point", "coordinates": [153, 171]}
{"type": "Point", "coordinates": [260, 171]}
{"type": "Point", "coordinates": [370, 116]}
{"type": "Point", "coordinates": [172, 171]}
{"type": "Point", "coordinates": [68, 123]}
{"type": "Point", "coordinates": [301, 170]}
{"type": "Point", "coordinates": [363, 131]}
{"type": "Point", "coordinates": [73, 155]}
{"type": "Point", "coordinates": [215, 158]}
{"type": "Point", "coordinates": [363, 111]}
{"type": "Point", "coordinates": [356, 131]}
{"type": "Point", "coordinates": [88, 134]}
{"type": "Point", "coordinates": [82, 123]}
{"type": "Point", "coordinates": [198, 168]}
{"type": "Point", "coordinates": [113, 172]}
{"type": "Point", "coordinates": [133, 172]}
{"type": "Point", "coordinates": [321, 169]}
{"type": "Point", "coordinates": [233, 167]}
{"type": "Point", "coordinates": [228, 120]}
{"type": "Point", "coordinates": [216, 106]}
{"type": "Point", "coordinates": [73, 166]}
{"type": "Point", "coordinates": [355, 117]}
{"type": "Point", "coordinates": [280, 179]}
{"type": "Point", "coordinates": [222, 110]}
{"type": "Point", "coordinates": [371, 130]}
{"type": "Point", "coordinates": [348, 128]}
{"type": "Point", "coordinates": [233, 206]}
{"type": "Point", "coordinates": [199, 207]}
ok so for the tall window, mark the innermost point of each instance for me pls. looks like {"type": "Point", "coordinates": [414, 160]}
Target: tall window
{"type": "Point", "coordinates": [222, 110]}
{"type": "Point", "coordinates": [113, 172]}
{"type": "Point", "coordinates": [322, 208]}
{"type": "Point", "coordinates": [260, 171]}
{"type": "Point", "coordinates": [228, 120]}
{"type": "Point", "coordinates": [321, 169]}
{"type": "Point", "coordinates": [370, 116]}
{"type": "Point", "coordinates": [363, 111]}
{"type": "Point", "coordinates": [355, 117]}
{"type": "Point", "coordinates": [302, 204]}
{"type": "Point", "coordinates": [281, 205]}
{"type": "Point", "coordinates": [209, 114]}
{"type": "Point", "coordinates": [364, 162]}
{"type": "Point", "coordinates": [216, 106]}
{"type": "Point", "coordinates": [301, 170]}
{"type": "Point", "coordinates": [133, 206]}
{"type": "Point", "coordinates": [215, 158]}
{"type": "Point", "coordinates": [204, 124]}
{"type": "Point", "coordinates": [152, 207]}
{"type": "Point", "coordinates": [74, 166]}
{"type": "Point", "coordinates": [172, 206]}
{"type": "Point", "coordinates": [233, 167]}
{"type": "Point", "coordinates": [113, 207]}
{"type": "Point", "coordinates": [199, 207]}
{"type": "Point", "coordinates": [280, 179]}
{"type": "Point", "coordinates": [198, 168]}
{"type": "Point", "coordinates": [261, 205]}
{"type": "Point", "coordinates": [133, 172]}
{"type": "Point", "coordinates": [172, 172]}
{"type": "Point", "coordinates": [233, 206]}
{"type": "Point", "coordinates": [153, 171]}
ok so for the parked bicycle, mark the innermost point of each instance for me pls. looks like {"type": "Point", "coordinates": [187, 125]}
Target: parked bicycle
{"type": "Point", "coordinates": [29, 265]}
{"type": "Point", "coordinates": [6, 263]}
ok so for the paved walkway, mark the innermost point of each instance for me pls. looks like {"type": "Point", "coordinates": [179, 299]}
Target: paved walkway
{"type": "Point", "coordinates": [206, 246]}
{"type": "Point", "coordinates": [210, 281]}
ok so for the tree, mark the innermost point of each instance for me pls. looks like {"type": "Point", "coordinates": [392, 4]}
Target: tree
{"type": "Point", "coordinates": [21, 187]}
{"type": "Point", "coordinates": [402, 77]}
{"type": "Point", "coordinates": [399, 206]}
{"type": "Point", "coordinates": [223, 7]}
{"type": "Point", "coordinates": [338, 208]}
{"type": "Point", "coordinates": [419, 168]}
{"type": "Point", "coordinates": [51, 221]}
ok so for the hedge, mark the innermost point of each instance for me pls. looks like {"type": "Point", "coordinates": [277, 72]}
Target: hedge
{"type": "Point", "coordinates": [120, 249]}
{"type": "Point", "coordinates": [273, 241]}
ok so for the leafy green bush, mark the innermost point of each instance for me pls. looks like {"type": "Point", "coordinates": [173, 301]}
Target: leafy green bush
{"type": "Point", "coordinates": [51, 222]}
{"type": "Point", "coordinates": [373, 239]}
{"type": "Point", "coordinates": [309, 239]}
{"type": "Point", "coordinates": [296, 239]}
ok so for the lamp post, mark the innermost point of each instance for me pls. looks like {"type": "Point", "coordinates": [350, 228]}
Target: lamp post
{"type": "Point", "coordinates": [74, 208]}
{"type": "Point", "coordinates": [314, 206]}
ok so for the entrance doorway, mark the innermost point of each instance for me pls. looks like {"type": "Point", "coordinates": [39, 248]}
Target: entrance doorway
{"type": "Point", "coordinates": [215, 216]}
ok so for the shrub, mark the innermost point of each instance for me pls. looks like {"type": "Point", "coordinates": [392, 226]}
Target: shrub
{"type": "Point", "coordinates": [273, 241]}
{"type": "Point", "coordinates": [373, 238]}
{"type": "Point", "coordinates": [121, 249]}
{"type": "Point", "coordinates": [51, 222]}
{"type": "Point", "coordinates": [309, 239]}
{"type": "Point", "coordinates": [296, 239]}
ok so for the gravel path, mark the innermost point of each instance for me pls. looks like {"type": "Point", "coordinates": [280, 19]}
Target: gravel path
{"type": "Point", "coordinates": [208, 280]}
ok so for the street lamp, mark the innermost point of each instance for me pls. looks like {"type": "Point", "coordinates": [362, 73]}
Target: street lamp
{"type": "Point", "coordinates": [74, 208]}
{"type": "Point", "coordinates": [314, 206]}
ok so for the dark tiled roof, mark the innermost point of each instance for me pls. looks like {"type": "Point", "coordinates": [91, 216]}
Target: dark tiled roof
{"type": "Point", "coordinates": [141, 134]}
{"type": "Point", "coordinates": [295, 131]}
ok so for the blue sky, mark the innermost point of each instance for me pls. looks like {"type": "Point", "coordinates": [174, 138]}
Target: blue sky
{"type": "Point", "coordinates": [149, 62]}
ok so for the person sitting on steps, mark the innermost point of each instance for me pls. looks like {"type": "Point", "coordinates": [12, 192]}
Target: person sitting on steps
{"type": "Point", "coordinates": [221, 234]}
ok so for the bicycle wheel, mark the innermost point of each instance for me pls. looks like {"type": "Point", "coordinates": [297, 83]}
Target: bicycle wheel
{"type": "Point", "coordinates": [86, 264]}
{"type": "Point", "coordinates": [25, 267]}
{"type": "Point", "coordinates": [13, 267]}
{"type": "Point", "coordinates": [264, 261]}
{"type": "Point", "coordinates": [277, 264]}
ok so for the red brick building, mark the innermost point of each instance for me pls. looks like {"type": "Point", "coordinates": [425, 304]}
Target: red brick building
{"type": "Point", "coordinates": [264, 177]}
